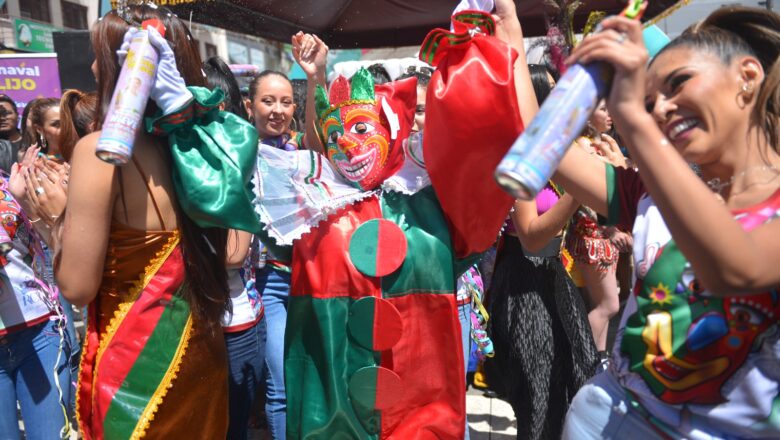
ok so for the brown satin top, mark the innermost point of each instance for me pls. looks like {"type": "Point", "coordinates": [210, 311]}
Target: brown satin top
{"type": "Point", "coordinates": [196, 405]}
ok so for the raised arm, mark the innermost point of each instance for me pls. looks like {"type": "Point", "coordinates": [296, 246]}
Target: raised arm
{"type": "Point", "coordinates": [508, 29]}
{"type": "Point", "coordinates": [312, 55]}
{"type": "Point", "coordinates": [91, 194]}
{"type": "Point", "coordinates": [726, 258]}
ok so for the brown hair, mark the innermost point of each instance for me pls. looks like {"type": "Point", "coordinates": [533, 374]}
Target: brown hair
{"type": "Point", "coordinates": [733, 31]}
{"type": "Point", "coordinates": [203, 248]}
{"type": "Point", "coordinates": [77, 119]}
{"type": "Point", "coordinates": [37, 113]}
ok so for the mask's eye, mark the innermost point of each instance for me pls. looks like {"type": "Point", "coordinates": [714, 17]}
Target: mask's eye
{"type": "Point", "coordinates": [334, 137]}
{"type": "Point", "coordinates": [746, 314]}
{"type": "Point", "coordinates": [362, 128]}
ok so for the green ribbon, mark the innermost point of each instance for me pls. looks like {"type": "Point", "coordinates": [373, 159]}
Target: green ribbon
{"type": "Point", "coordinates": [214, 155]}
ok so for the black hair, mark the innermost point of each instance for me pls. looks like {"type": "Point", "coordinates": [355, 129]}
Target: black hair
{"type": "Point", "coordinates": [540, 82]}
{"type": "Point", "coordinates": [6, 98]}
{"type": "Point", "coordinates": [423, 75]}
{"type": "Point", "coordinates": [218, 75]}
{"type": "Point", "coordinates": [379, 73]}
{"type": "Point", "coordinates": [255, 83]}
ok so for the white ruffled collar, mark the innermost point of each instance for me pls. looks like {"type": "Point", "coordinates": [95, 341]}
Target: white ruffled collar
{"type": "Point", "coordinates": [296, 190]}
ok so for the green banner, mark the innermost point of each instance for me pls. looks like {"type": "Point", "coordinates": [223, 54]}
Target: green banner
{"type": "Point", "coordinates": [34, 37]}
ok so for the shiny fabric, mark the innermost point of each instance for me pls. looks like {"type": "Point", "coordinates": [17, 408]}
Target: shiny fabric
{"type": "Point", "coordinates": [465, 137]}
{"type": "Point", "coordinates": [213, 161]}
{"type": "Point", "coordinates": [196, 404]}
{"type": "Point", "coordinates": [327, 340]}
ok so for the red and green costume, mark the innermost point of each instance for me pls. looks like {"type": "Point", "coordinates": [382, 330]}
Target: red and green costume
{"type": "Point", "coordinates": [373, 345]}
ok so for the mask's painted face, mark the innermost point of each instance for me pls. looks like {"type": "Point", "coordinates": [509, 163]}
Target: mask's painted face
{"type": "Point", "coordinates": [358, 144]}
{"type": "Point", "coordinates": [363, 129]}
{"type": "Point", "coordinates": [685, 342]}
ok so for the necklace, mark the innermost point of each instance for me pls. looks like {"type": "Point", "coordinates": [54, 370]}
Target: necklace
{"type": "Point", "coordinates": [718, 186]}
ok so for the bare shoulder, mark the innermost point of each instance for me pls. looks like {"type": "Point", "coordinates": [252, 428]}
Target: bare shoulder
{"type": "Point", "coordinates": [85, 165]}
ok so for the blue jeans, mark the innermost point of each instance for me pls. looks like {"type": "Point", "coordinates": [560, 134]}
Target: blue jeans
{"type": "Point", "coordinates": [246, 358]}
{"type": "Point", "coordinates": [274, 286]}
{"type": "Point", "coordinates": [602, 409]}
{"type": "Point", "coordinates": [464, 315]}
{"type": "Point", "coordinates": [28, 361]}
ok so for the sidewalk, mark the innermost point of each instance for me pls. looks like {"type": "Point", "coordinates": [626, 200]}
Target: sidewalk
{"type": "Point", "coordinates": [489, 418]}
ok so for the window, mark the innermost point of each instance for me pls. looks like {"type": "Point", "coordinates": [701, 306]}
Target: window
{"type": "Point", "coordinates": [211, 50]}
{"type": "Point", "coordinates": [74, 16]}
{"type": "Point", "coordinates": [36, 10]}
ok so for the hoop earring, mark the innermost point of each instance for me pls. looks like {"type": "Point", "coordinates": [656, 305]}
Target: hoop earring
{"type": "Point", "coordinates": [294, 124]}
{"type": "Point", "coordinates": [42, 142]}
{"type": "Point", "coordinates": [746, 92]}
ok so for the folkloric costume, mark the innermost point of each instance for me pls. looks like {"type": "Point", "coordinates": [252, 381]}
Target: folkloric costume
{"type": "Point", "coordinates": [380, 231]}
{"type": "Point", "coordinates": [150, 367]}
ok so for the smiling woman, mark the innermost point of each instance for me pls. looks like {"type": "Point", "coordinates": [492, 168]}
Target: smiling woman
{"type": "Point", "coordinates": [699, 340]}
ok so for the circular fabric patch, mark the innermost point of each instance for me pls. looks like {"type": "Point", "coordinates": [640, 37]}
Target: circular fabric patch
{"type": "Point", "coordinates": [374, 323]}
{"type": "Point", "coordinates": [375, 387]}
{"type": "Point", "coordinates": [377, 247]}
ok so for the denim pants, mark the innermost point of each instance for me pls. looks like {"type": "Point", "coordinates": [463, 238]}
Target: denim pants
{"type": "Point", "coordinates": [464, 315]}
{"type": "Point", "coordinates": [602, 409]}
{"type": "Point", "coordinates": [28, 361]}
{"type": "Point", "coordinates": [246, 359]}
{"type": "Point", "coordinates": [274, 286]}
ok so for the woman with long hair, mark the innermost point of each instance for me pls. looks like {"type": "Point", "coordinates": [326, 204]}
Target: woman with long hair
{"type": "Point", "coordinates": [698, 347]}
{"type": "Point", "coordinates": [544, 349]}
{"type": "Point", "coordinates": [271, 108]}
{"type": "Point", "coordinates": [143, 252]}
{"type": "Point", "coordinates": [244, 326]}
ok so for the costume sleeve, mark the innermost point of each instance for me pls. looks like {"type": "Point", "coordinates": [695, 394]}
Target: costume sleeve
{"type": "Point", "coordinates": [213, 161]}
{"type": "Point", "coordinates": [472, 118]}
{"type": "Point", "coordinates": [624, 189]}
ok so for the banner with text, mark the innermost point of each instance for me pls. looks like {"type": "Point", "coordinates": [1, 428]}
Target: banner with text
{"type": "Point", "coordinates": [25, 77]}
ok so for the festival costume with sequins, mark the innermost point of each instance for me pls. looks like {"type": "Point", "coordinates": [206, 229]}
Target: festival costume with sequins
{"type": "Point", "coordinates": [380, 232]}
{"type": "Point", "coordinates": [150, 367]}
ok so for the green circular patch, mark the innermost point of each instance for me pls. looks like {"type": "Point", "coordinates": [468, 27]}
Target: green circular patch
{"type": "Point", "coordinates": [377, 247]}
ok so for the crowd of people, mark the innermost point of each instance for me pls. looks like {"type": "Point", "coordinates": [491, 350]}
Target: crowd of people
{"type": "Point", "coordinates": [328, 255]}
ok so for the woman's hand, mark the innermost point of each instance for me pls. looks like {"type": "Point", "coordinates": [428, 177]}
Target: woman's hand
{"type": "Point", "coordinates": [620, 45]}
{"type": "Point", "coordinates": [45, 193]}
{"type": "Point", "coordinates": [508, 27]}
{"type": "Point", "coordinates": [622, 240]}
{"type": "Point", "coordinates": [169, 90]}
{"type": "Point", "coordinates": [310, 53]}
{"type": "Point", "coordinates": [609, 149]}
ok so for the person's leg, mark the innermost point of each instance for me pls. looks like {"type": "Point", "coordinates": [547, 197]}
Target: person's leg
{"type": "Point", "coordinates": [74, 347]}
{"type": "Point", "coordinates": [43, 381]}
{"type": "Point", "coordinates": [464, 315]}
{"type": "Point", "coordinates": [9, 425]}
{"type": "Point", "coordinates": [246, 359]}
{"type": "Point", "coordinates": [275, 288]}
{"type": "Point", "coordinates": [603, 302]}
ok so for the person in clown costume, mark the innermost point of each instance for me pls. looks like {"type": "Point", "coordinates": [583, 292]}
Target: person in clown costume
{"type": "Point", "coordinates": [380, 229]}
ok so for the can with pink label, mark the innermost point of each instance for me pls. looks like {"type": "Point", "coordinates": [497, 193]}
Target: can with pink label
{"type": "Point", "coordinates": [131, 94]}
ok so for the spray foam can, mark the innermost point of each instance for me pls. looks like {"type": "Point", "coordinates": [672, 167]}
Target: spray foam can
{"type": "Point", "coordinates": [131, 95]}
{"type": "Point", "coordinates": [528, 165]}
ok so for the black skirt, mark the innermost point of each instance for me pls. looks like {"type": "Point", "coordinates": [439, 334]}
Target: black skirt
{"type": "Point", "coordinates": [543, 343]}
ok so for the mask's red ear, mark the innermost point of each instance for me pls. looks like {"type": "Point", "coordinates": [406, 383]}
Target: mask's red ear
{"type": "Point", "coordinates": [401, 96]}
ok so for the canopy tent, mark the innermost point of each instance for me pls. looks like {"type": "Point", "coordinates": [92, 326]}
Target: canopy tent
{"type": "Point", "coordinates": [366, 23]}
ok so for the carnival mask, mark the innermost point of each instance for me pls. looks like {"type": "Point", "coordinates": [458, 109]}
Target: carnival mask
{"type": "Point", "coordinates": [685, 342]}
{"type": "Point", "coordinates": [363, 127]}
